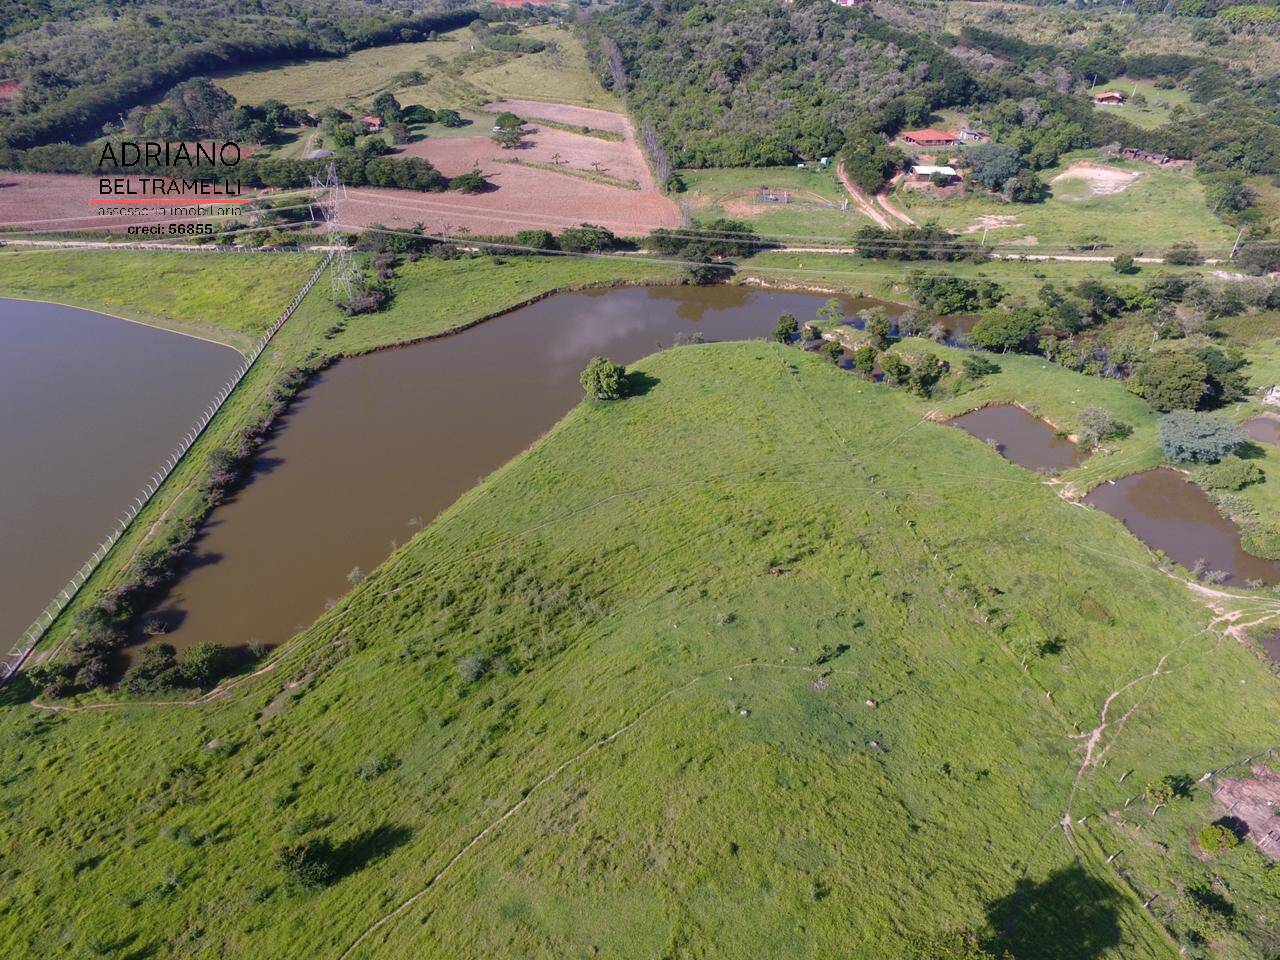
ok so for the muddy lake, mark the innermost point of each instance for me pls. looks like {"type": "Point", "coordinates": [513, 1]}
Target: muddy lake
{"type": "Point", "coordinates": [1168, 512]}
{"type": "Point", "coordinates": [1265, 429]}
{"type": "Point", "coordinates": [92, 405]}
{"type": "Point", "coordinates": [380, 444]}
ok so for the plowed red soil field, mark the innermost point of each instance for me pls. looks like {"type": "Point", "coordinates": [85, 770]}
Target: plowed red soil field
{"type": "Point", "coordinates": [525, 197]}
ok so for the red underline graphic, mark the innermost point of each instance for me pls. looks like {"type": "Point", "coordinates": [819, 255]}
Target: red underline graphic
{"type": "Point", "coordinates": [167, 203]}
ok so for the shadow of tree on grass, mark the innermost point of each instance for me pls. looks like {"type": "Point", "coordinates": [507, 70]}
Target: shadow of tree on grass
{"type": "Point", "coordinates": [1070, 915]}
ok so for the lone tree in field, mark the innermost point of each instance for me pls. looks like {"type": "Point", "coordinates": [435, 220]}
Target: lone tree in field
{"type": "Point", "coordinates": [603, 379]}
{"type": "Point", "coordinates": [1197, 436]}
{"type": "Point", "coordinates": [508, 138]}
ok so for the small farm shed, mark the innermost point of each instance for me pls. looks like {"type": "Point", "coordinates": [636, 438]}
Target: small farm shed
{"type": "Point", "coordinates": [1110, 98]}
{"type": "Point", "coordinates": [974, 136]}
{"type": "Point", "coordinates": [923, 172]}
{"type": "Point", "coordinates": [371, 123]}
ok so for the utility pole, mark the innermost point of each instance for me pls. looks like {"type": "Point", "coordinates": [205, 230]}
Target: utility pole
{"type": "Point", "coordinates": [1236, 245]}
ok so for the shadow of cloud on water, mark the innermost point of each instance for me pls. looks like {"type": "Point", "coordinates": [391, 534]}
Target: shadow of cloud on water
{"type": "Point", "coordinates": [1070, 915]}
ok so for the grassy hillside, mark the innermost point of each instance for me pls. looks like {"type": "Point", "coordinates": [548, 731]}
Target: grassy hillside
{"type": "Point", "coordinates": [457, 72]}
{"type": "Point", "coordinates": [615, 703]}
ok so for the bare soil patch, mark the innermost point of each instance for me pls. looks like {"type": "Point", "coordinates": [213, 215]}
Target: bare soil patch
{"type": "Point", "coordinates": [9, 90]}
{"type": "Point", "coordinates": [1103, 181]}
{"type": "Point", "coordinates": [563, 113]}
{"type": "Point", "coordinates": [1255, 802]}
{"type": "Point", "coordinates": [991, 221]}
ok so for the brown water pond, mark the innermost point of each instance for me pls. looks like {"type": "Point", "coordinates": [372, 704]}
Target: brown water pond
{"type": "Point", "coordinates": [1170, 513]}
{"type": "Point", "coordinates": [92, 405]}
{"type": "Point", "coordinates": [1020, 437]}
{"type": "Point", "coordinates": [1264, 428]}
{"type": "Point", "coordinates": [377, 445]}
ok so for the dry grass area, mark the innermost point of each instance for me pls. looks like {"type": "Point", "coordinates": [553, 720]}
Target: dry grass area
{"type": "Point", "coordinates": [530, 197]}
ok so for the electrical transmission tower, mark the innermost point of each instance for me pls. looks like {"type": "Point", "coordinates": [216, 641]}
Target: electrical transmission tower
{"type": "Point", "coordinates": [343, 273]}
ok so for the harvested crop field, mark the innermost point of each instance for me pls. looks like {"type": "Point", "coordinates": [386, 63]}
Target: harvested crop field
{"type": "Point", "coordinates": [1098, 180]}
{"type": "Point", "coordinates": [556, 179]}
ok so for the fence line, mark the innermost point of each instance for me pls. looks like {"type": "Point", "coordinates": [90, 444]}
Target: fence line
{"type": "Point", "coordinates": [34, 633]}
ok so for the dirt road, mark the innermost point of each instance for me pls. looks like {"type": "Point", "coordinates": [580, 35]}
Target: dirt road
{"type": "Point", "coordinates": [860, 199]}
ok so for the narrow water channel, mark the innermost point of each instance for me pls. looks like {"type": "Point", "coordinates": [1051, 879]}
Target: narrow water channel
{"type": "Point", "coordinates": [91, 406]}
{"type": "Point", "coordinates": [379, 444]}
{"type": "Point", "coordinates": [1170, 513]}
{"type": "Point", "coordinates": [1020, 437]}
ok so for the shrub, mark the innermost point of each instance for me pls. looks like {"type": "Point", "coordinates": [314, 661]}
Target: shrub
{"type": "Point", "coordinates": [864, 359]}
{"type": "Point", "coordinates": [786, 328]}
{"type": "Point", "coordinates": [472, 181]}
{"type": "Point", "coordinates": [896, 370]}
{"type": "Point", "coordinates": [1183, 254]}
{"type": "Point", "coordinates": [472, 668]}
{"type": "Point", "coordinates": [877, 328]}
{"type": "Point", "coordinates": [603, 379]}
{"type": "Point", "coordinates": [376, 764]}
{"type": "Point", "coordinates": [1215, 838]}
{"type": "Point", "coordinates": [1186, 436]}
{"type": "Point", "coordinates": [1124, 264]}
{"type": "Point", "coordinates": [1231, 474]}
{"type": "Point", "coordinates": [927, 373]}
{"type": "Point", "coordinates": [976, 366]}
{"type": "Point", "coordinates": [307, 864]}
{"type": "Point", "coordinates": [204, 664]}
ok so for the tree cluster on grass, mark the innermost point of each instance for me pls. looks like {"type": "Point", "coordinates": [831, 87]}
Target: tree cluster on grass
{"type": "Point", "coordinates": [1186, 436]}
{"type": "Point", "coordinates": [719, 239]}
{"type": "Point", "coordinates": [602, 379]}
{"type": "Point", "coordinates": [160, 669]}
{"type": "Point", "coordinates": [928, 242]}
{"type": "Point", "coordinates": [869, 162]}
{"type": "Point", "coordinates": [976, 366]}
{"type": "Point", "coordinates": [948, 294]}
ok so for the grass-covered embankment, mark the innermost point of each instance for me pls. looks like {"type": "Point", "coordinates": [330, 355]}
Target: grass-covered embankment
{"type": "Point", "coordinates": [646, 677]}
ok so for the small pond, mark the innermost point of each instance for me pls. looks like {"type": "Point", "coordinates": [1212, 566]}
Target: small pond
{"type": "Point", "coordinates": [1265, 428]}
{"type": "Point", "coordinates": [1020, 437]}
{"type": "Point", "coordinates": [1168, 512]}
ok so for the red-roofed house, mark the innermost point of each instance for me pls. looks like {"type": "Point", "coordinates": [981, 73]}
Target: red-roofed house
{"type": "Point", "coordinates": [372, 124]}
{"type": "Point", "coordinates": [1110, 98]}
{"type": "Point", "coordinates": [930, 137]}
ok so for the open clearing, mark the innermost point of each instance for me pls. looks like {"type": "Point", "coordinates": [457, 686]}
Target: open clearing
{"type": "Point", "coordinates": [1159, 208]}
{"type": "Point", "coordinates": [713, 621]}
{"type": "Point", "coordinates": [1098, 180]}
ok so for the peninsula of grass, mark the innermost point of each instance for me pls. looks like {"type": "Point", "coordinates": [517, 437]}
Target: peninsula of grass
{"type": "Point", "coordinates": [822, 679]}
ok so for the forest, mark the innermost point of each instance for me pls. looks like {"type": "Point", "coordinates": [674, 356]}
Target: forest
{"type": "Point", "coordinates": [78, 73]}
